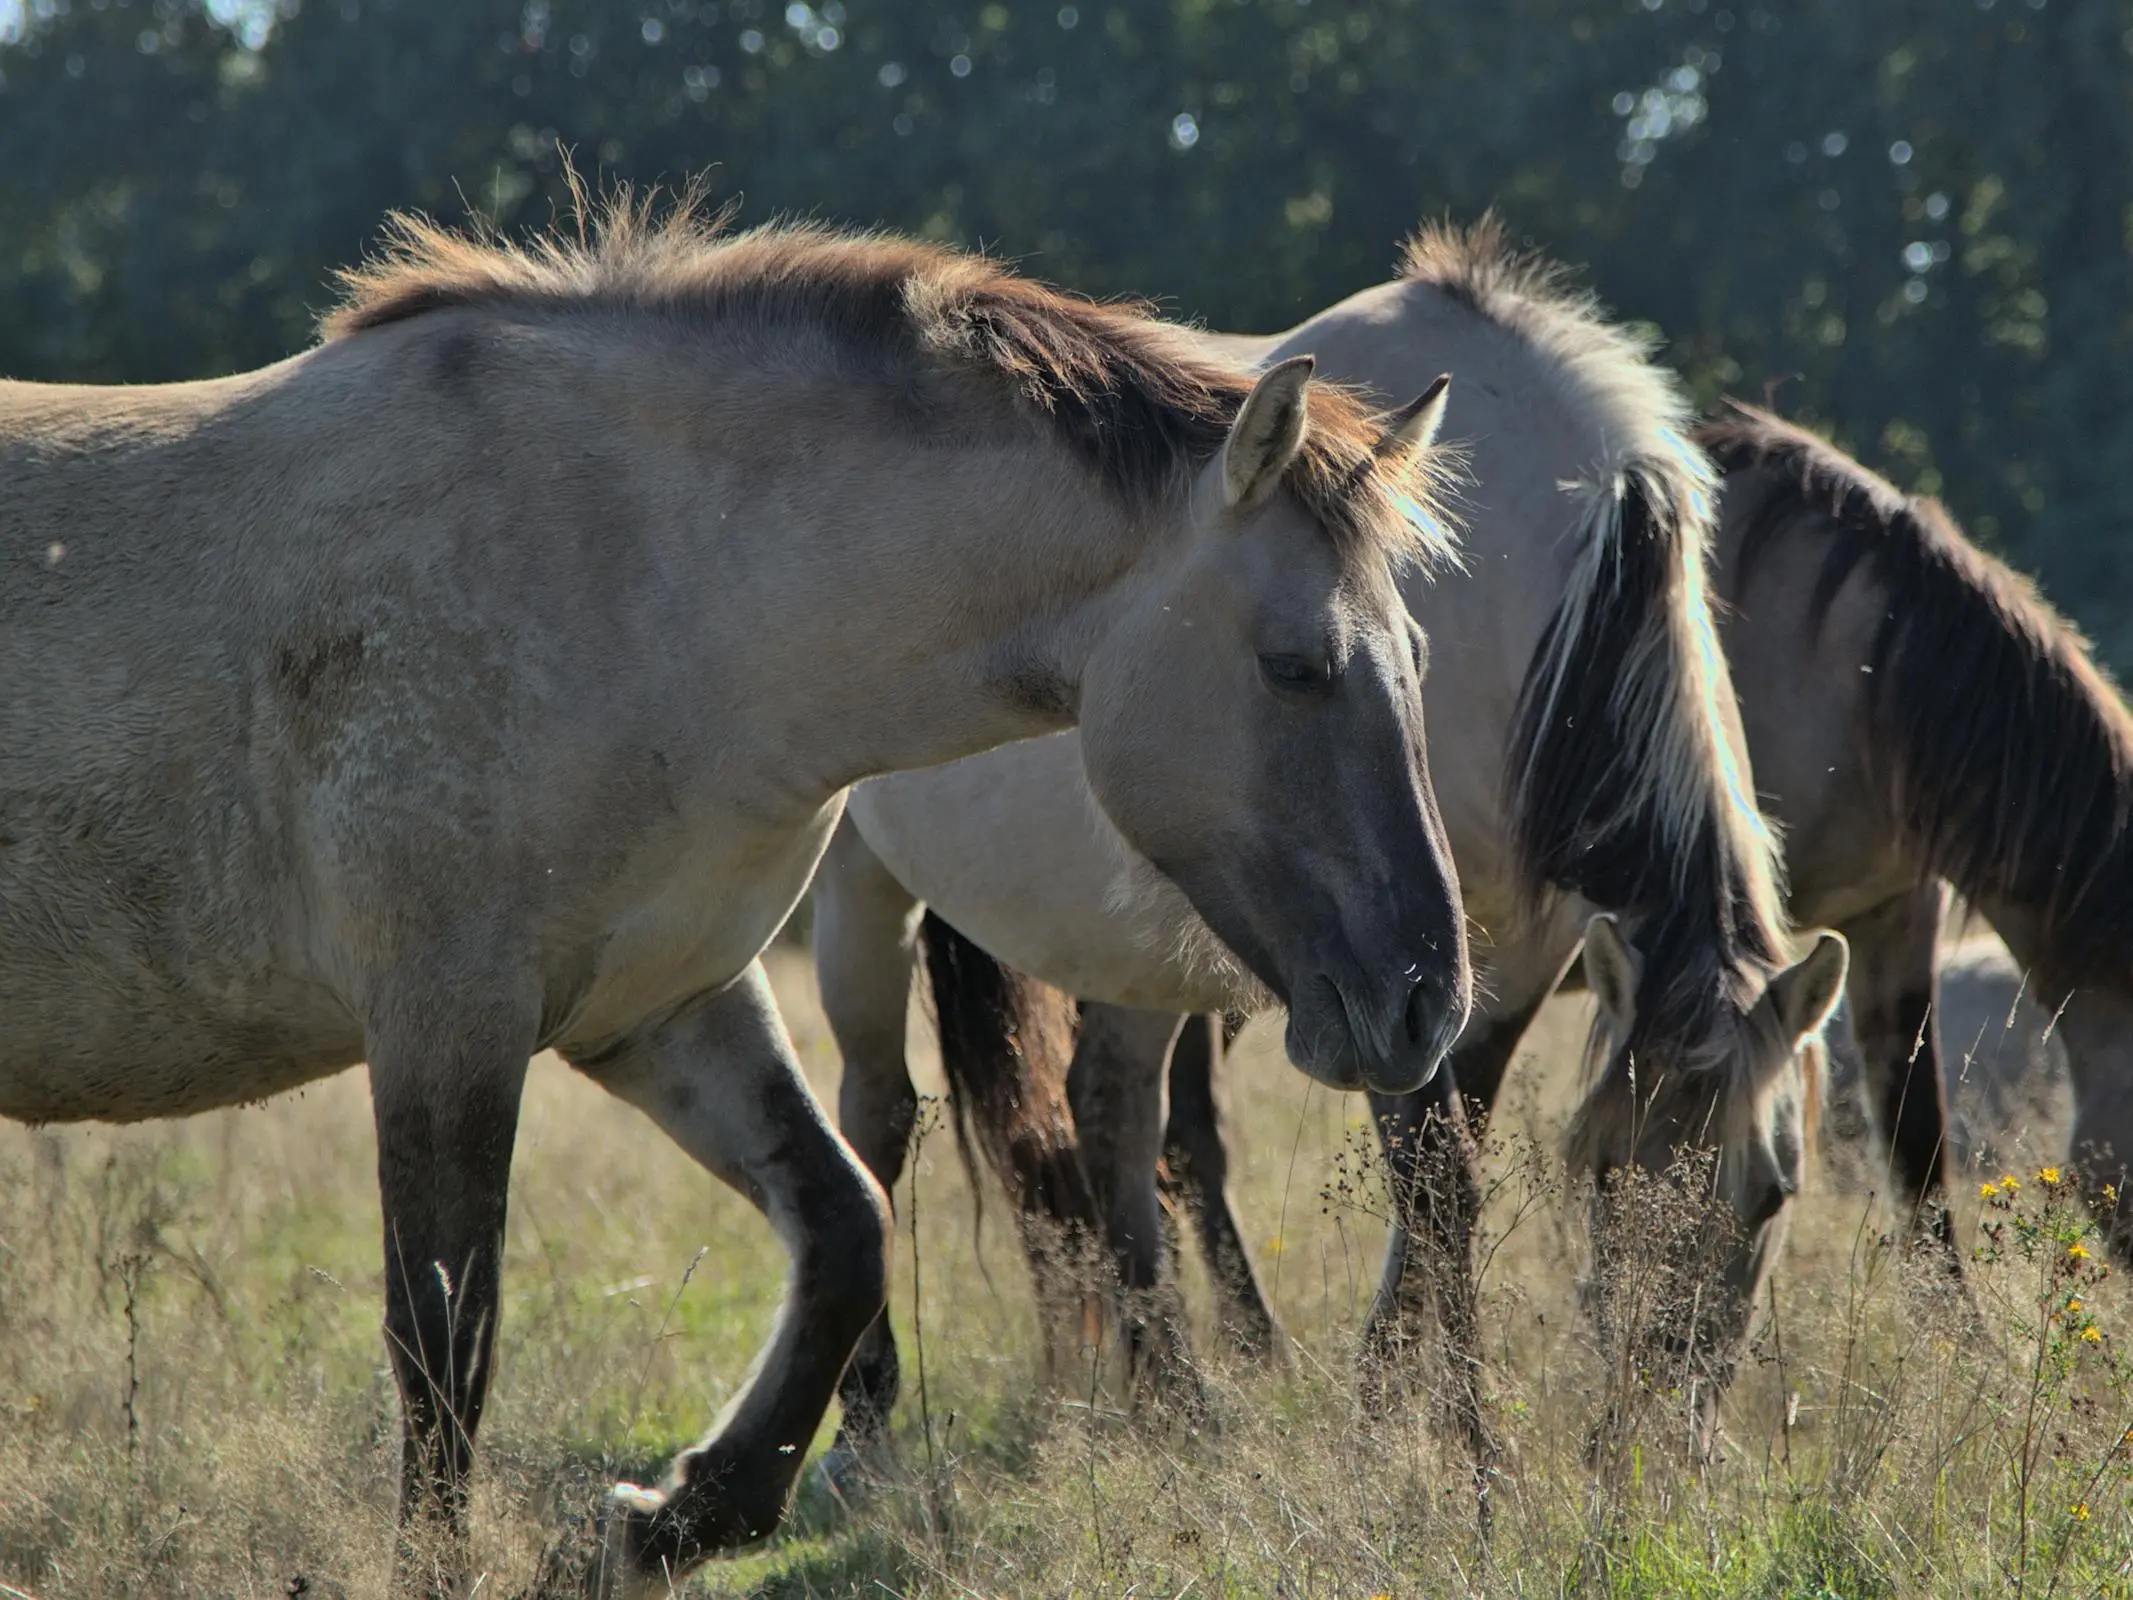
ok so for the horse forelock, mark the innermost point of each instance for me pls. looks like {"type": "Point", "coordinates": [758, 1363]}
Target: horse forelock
{"type": "Point", "coordinates": [1721, 1085]}
{"type": "Point", "coordinates": [1135, 403]}
{"type": "Point", "coordinates": [2003, 750]}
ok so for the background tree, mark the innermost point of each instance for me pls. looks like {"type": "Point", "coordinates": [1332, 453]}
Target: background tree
{"type": "Point", "coordinates": [1909, 222]}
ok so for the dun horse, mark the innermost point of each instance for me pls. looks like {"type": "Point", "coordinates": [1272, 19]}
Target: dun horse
{"type": "Point", "coordinates": [1587, 756]}
{"type": "Point", "coordinates": [489, 679]}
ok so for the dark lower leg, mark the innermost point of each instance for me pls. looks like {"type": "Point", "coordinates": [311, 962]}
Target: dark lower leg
{"type": "Point", "coordinates": [1431, 1172]}
{"type": "Point", "coordinates": [1893, 992]}
{"type": "Point", "coordinates": [1115, 1087]}
{"type": "Point", "coordinates": [864, 937]}
{"type": "Point", "coordinates": [447, 1116]}
{"type": "Point", "coordinates": [877, 1108]}
{"type": "Point", "coordinates": [721, 1079]}
{"type": "Point", "coordinates": [1197, 1158]}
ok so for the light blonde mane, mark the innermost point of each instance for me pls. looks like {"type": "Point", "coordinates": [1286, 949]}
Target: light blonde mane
{"type": "Point", "coordinates": [1131, 398]}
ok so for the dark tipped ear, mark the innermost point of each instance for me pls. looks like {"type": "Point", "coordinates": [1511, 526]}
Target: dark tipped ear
{"type": "Point", "coordinates": [1268, 432]}
{"type": "Point", "coordinates": [1804, 995]}
{"type": "Point", "coordinates": [1611, 972]}
{"type": "Point", "coordinates": [1414, 427]}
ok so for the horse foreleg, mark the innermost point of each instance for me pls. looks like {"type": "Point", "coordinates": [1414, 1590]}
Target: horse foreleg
{"type": "Point", "coordinates": [1197, 1157]}
{"type": "Point", "coordinates": [866, 925]}
{"type": "Point", "coordinates": [1893, 986]}
{"type": "Point", "coordinates": [722, 1080]}
{"type": "Point", "coordinates": [1115, 1087]}
{"type": "Point", "coordinates": [1431, 1161]}
{"type": "Point", "coordinates": [445, 1075]}
{"type": "Point", "coordinates": [1434, 1171]}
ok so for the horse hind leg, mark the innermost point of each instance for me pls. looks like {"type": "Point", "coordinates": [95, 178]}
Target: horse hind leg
{"type": "Point", "coordinates": [1196, 1159]}
{"type": "Point", "coordinates": [447, 1064]}
{"type": "Point", "coordinates": [722, 1081]}
{"type": "Point", "coordinates": [1116, 1087]}
{"type": "Point", "coordinates": [1893, 986]}
{"type": "Point", "coordinates": [866, 926]}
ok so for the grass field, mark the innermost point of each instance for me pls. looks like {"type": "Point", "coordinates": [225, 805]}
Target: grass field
{"type": "Point", "coordinates": [193, 1399]}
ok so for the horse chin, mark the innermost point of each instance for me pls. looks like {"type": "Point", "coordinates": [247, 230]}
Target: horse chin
{"type": "Point", "coordinates": [1319, 1045]}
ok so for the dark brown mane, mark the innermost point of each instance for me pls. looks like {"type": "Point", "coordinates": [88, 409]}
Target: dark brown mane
{"type": "Point", "coordinates": [2005, 750]}
{"type": "Point", "coordinates": [1127, 394]}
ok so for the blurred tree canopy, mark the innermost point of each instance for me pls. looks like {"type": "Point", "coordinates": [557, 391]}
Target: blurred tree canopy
{"type": "Point", "coordinates": [1909, 222]}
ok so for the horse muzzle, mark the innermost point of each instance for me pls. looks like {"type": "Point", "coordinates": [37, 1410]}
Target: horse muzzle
{"type": "Point", "coordinates": [1390, 1042]}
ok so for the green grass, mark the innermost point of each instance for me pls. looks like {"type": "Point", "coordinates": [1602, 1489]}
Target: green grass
{"type": "Point", "coordinates": [1874, 1447]}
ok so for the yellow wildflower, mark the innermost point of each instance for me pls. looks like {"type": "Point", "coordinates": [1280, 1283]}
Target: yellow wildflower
{"type": "Point", "coordinates": [2047, 1175]}
{"type": "Point", "coordinates": [2092, 1334]}
{"type": "Point", "coordinates": [2073, 1305]}
{"type": "Point", "coordinates": [2077, 1251]}
{"type": "Point", "coordinates": [2010, 1182]}
{"type": "Point", "coordinates": [2081, 1511]}
{"type": "Point", "coordinates": [1985, 1191]}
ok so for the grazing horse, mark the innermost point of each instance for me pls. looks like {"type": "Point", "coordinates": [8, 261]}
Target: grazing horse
{"type": "Point", "coordinates": [489, 679]}
{"type": "Point", "coordinates": [1921, 717]}
{"type": "Point", "coordinates": [1587, 757]}
{"type": "Point", "coordinates": [1918, 716]}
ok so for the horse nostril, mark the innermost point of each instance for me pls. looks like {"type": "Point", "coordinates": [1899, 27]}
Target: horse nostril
{"type": "Point", "coordinates": [1417, 1011]}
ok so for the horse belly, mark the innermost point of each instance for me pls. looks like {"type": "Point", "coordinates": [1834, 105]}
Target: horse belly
{"type": "Point", "coordinates": [87, 1048]}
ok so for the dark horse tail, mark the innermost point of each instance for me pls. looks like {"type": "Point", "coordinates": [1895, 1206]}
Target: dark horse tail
{"type": "Point", "coordinates": [2004, 751]}
{"type": "Point", "coordinates": [1006, 1043]}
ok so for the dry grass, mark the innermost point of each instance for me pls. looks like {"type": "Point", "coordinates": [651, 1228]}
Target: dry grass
{"type": "Point", "coordinates": [193, 1398]}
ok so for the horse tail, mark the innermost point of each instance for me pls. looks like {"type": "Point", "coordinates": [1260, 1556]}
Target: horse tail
{"type": "Point", "coordinates": [1006, 1043]}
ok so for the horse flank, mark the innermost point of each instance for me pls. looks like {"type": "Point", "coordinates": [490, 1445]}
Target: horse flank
{"type": "Point", "coordinates": [1129, 396]}
{"type": "Point", "coordinates": [2005, 753]}
{"type": "Point", "coordinates": [1626, 782]}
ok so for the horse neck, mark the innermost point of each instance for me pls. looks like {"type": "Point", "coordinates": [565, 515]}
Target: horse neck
{"type": "Point", "coordinates": [932, 599]}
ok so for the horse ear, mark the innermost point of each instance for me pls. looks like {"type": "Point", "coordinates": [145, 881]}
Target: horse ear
{"type": "Point", "coordinates": [1805, 994]}
{"type": "Point", "coordinates": [1268, 432]}
{"type": "Point", "coordinates": [1611, 971]}
{"type": "Point", "coordinates": [1414, 427]}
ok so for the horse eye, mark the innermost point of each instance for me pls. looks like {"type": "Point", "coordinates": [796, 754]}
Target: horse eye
{"type": "Point", "coordinates": [1297, 674]}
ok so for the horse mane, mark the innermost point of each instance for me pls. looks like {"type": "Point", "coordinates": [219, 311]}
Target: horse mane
{"type": "Point", "coordinates": [2004, 750]}
{"type": "Point", "coordinates": [1128, 396]}
{"type": "Point", "coordinates": [1628, 782]}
